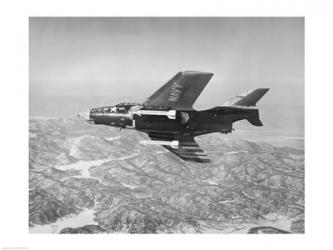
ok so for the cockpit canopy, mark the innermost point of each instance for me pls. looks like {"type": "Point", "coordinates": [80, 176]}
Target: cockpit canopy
{"type": "Point", "coordinates": [127, 104]}
{"type": "Point", "coordinates": [119, 108]}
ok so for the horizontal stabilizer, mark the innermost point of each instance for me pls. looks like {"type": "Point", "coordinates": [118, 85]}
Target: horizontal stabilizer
{"type": "Point", "coordinates": [255, 121]}
{"type": "Point", "coordinates": [247, 99]}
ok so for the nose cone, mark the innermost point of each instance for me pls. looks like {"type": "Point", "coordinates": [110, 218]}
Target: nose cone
{"type": "Point", "coordinates": [84, 115]}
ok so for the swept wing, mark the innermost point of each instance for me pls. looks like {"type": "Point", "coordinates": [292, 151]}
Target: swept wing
{"type": "Point", "coordinates": [181, 91]}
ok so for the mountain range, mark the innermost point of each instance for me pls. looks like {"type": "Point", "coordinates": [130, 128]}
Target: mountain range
{"type": "Point", "coordinates": [78, 169]}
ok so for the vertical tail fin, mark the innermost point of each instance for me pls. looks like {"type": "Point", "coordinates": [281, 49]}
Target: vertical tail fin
{"type": "Point", "coordinates": [247, 99]}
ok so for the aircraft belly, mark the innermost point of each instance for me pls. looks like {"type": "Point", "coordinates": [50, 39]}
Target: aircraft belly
{"type": "Point", "coordinates": [209, 124]}
{"type": "Point", "coordinates": [159, 125]}
{"type": "Point", "coordinates": [198, 124]}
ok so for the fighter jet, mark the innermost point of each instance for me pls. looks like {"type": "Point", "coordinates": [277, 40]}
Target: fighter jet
{"type": "Point", "coordinates": [169, 119]}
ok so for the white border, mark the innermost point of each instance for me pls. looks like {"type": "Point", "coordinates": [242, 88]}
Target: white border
{"type": "Point", "coordinates": [14, 121]}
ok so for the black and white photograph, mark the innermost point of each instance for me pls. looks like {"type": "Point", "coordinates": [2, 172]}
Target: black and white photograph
{"type": "Point", "coordinates": [166, 125]}
{"type": "Point", "coordinates": [179, 124]}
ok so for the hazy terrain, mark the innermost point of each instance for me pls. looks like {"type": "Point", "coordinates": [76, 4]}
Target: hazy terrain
{"type": "Point", "coordinates": [98, 179]}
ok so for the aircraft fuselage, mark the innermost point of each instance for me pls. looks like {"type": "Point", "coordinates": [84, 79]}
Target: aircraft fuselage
{"type": "Point", "coordinates": [185, 122]}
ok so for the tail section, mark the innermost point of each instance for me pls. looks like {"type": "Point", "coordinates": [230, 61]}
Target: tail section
{"type": "Point", "coordinates": [247, 99]}
{"type": "Point", "coordinates": [243, 101]}
{"type": "Point", "coordinates": [252, 116]}
{"type": "Point", "coordinates": [255, 121]}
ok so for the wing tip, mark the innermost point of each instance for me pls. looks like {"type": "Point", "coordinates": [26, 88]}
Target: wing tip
{"type": "Point", "coordinates": [193, 72]}
{"type": "Point", "coordinates": [264, 90]}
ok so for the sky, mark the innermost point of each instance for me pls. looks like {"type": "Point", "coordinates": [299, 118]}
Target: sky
{"type": "Point", "coordinates": [76, 63]}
